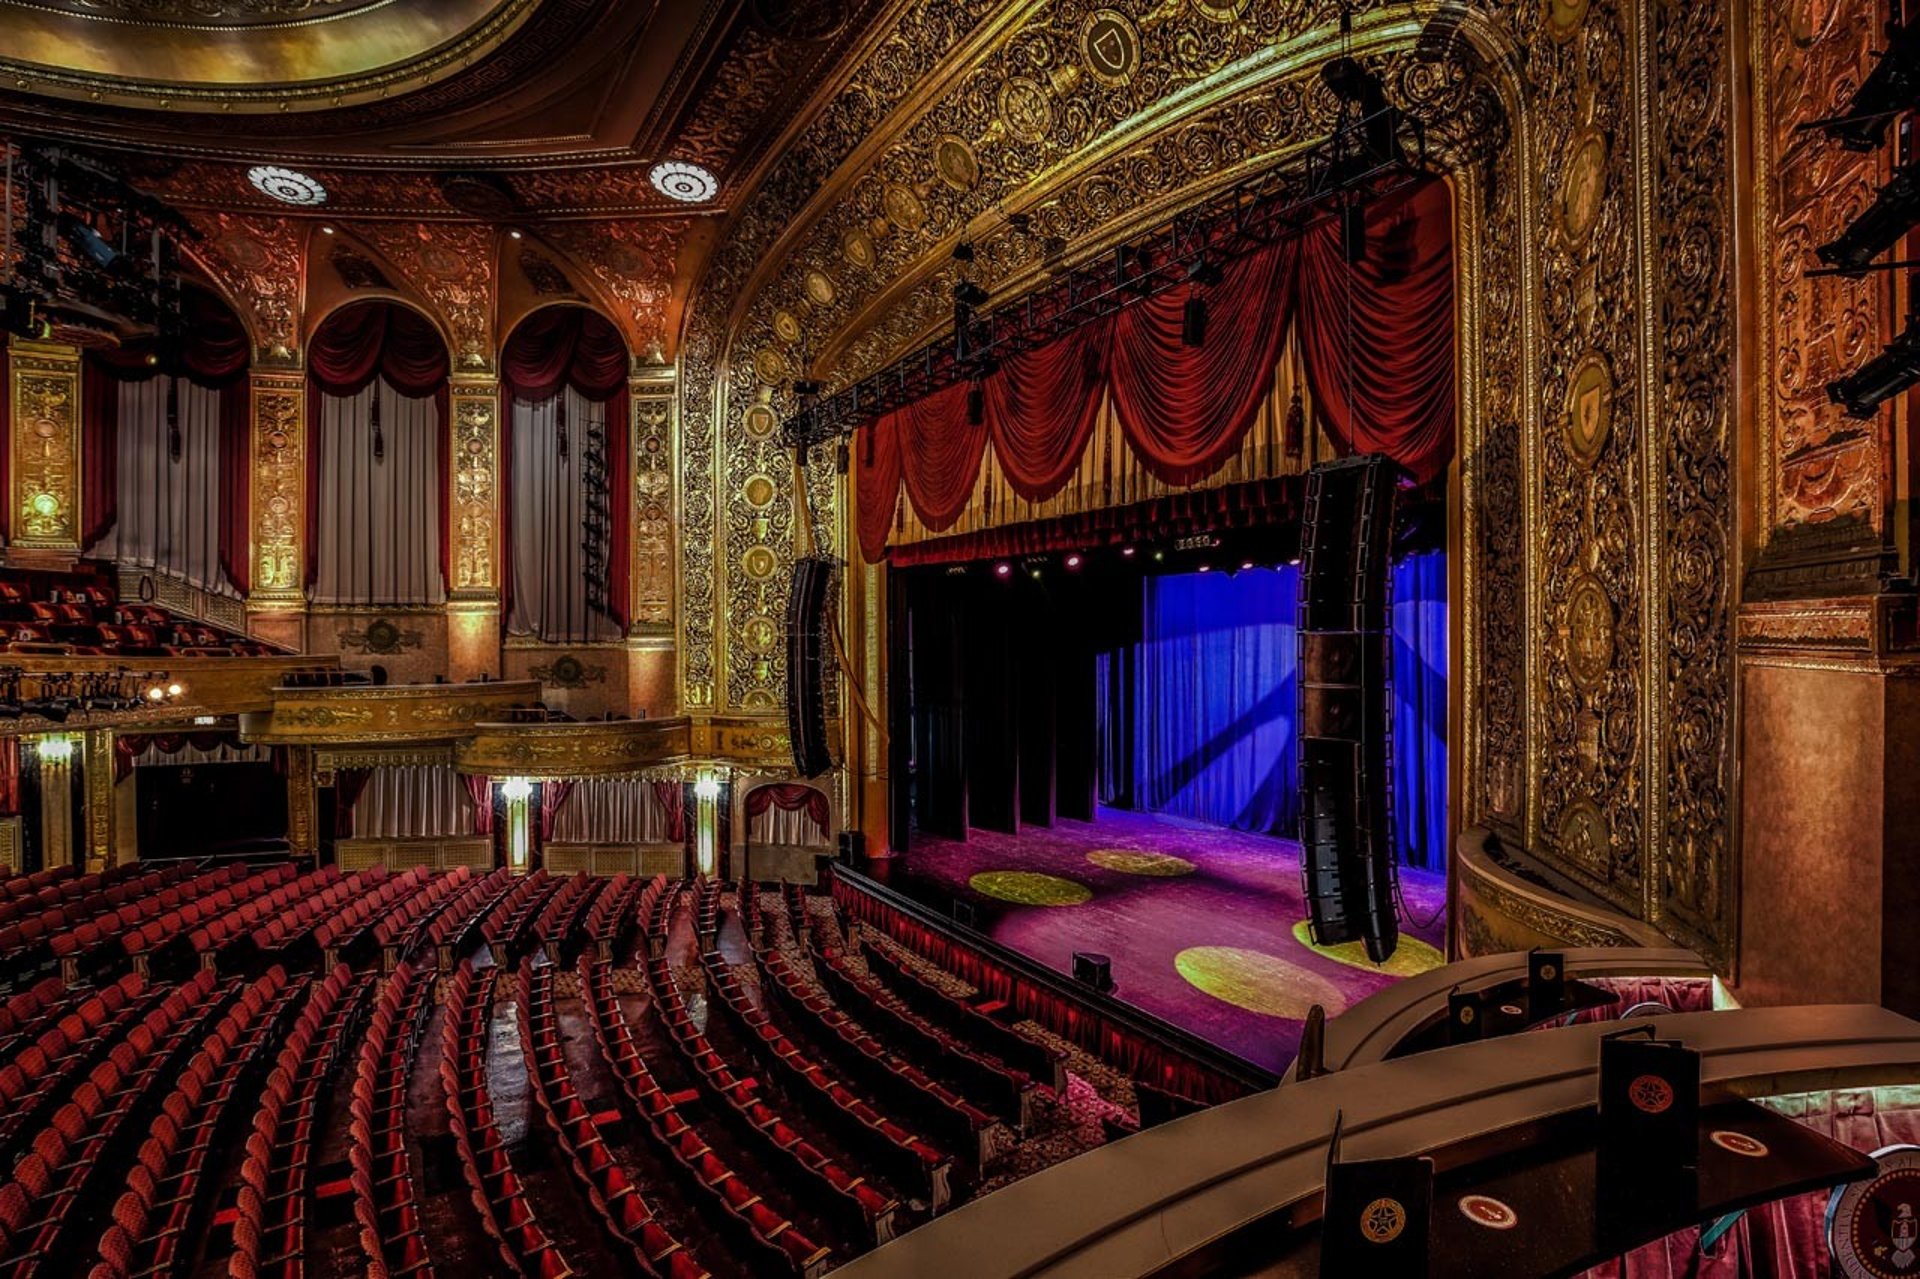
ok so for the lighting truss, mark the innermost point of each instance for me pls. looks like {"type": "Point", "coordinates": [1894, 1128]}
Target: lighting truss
{"type": "Point", "coordinates": [1260, 211]}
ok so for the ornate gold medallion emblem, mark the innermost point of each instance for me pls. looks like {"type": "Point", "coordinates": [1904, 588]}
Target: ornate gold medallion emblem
{"type": "Point", "coordinates": [759, 421]}
{"type": "Point", "coordinates": [1383, 1220]}
{"type": "Point", "coordinates": [1110, 46]}
{"type": "Point", "coordinates": [1025, 109]}
{"type": "Point", "coordinates": [954, 161]}
{"type": "Point", "coordinates": [1583, 185]}
{"type": "Point", "coordinates": [1650, 1094]}
{"type": "Point", "coordinates": [857, 247]}
{"type": "Point", "coordinates": [1589, 408]}
{"type": "Point", "coordinates": [1589, 632]}
{"type": "Point", "coordinates": [1564, 18]}
{"type": "Point", "coordinates": [820, 287]}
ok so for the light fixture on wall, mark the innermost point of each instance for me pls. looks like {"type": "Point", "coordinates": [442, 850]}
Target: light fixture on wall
{"type": "Point", "coordinates": [707, 786]}
{"type": "Point", "coordinates": [54, 750]}
{"type": "Point", "coordinates": [518, 789]}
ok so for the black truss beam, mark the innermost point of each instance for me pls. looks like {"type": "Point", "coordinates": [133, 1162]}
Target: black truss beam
{"type": "Point", "coordinates": [1260, 211]}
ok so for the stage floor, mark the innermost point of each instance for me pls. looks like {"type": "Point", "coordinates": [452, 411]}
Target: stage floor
{"type": "Point", "coordinates": [1200, 922]}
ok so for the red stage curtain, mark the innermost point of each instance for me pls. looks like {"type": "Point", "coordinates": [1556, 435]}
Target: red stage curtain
{"type": "Point", "coordinates": [940, 453]}
{"type": "Point", "coordinates": [236, 495]}
{"type": "Point", "coordinates": [672, 798]}
{"type": "Point", "coordinates": [552, 795]}
{"type": "Point", "coordinates": [213, 353]}
{"type": "Point", "coordinates": [480, 791]}
{"type": "Point", "coordinates": [1041, 407]}
{"type": "Point", "coordinates": [564, 346]}
{"type": "Point", "coordinates": [1185, 409]}
{"type": "Point", "coordinates": [99, 450]}
{"type": "Point", "coordinates": [348, 783]}
{"type": "Point", "coordinates": [790, 797]}
{"type": "Point", "coordinates": [354, 345]}
{"type": "Point", "coordinates": [1400, 297]}
{"type": "Point", "coordinates": [9, 766]}
{"type": "Point", "coordinates": [877, 484]}
{"type": "Point", "coordinates": [128, 747]}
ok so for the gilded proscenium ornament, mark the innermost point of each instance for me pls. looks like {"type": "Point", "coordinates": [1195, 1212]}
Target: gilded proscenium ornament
{"type": "Point", "coordinates": [475, 405]}
{"type": "Point", "coordinates": [46, 445]}
{"type": "Point", "coordinates": [259, 263]}
{"type": "Point", "coordinates": [279, 488]}
{"type": "Point", "coordinates": [387, 713]}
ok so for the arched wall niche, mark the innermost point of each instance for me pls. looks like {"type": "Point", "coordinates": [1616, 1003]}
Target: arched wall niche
{"type": "Point", "coordinates": [1590, 146]}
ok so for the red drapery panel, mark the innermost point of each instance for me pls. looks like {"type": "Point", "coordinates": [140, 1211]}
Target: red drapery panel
{"type": "Point", "coordinates": [564, 346]}
{"type": "Point", "coordinates": [1185, 409]}
{"type": "Point", "coordinates": [9, 776]}
{"type": "Point", "coordinates": [99, 450]}
{"type": "Point", "coordinates": [876, 484]}
{"type": "Point", "coordinates": [480, 791]}
{"type": "Point", "coordinates": [671, 796]}
{"type": "Point", "coordinates": [128, 747]}
{"type": "Point", "coordinates": [1388, 317]}
{"type": "Point", "coordinates": [353, 346]}
{"type": "Point", "coordinates": [236, 490]}
{"type": "Point", "coordinates": [790, 797]}
{"type": "Point", "coordinates": [348, 783]}
{"type": "Point", "coordinates": [940, 453]}
{"type": "Point", "coordinates": [552, 795]}
{"type": "Point", "coordinates": [1041, 408]}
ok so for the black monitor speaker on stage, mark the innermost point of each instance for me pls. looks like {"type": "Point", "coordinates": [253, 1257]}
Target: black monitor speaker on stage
{"type": "Point", "coordinates": [1093, 969]}
{"type": "Point", "coordinates": [808, 665]}
{"type": "Point", "coordinates": [1346, 835]}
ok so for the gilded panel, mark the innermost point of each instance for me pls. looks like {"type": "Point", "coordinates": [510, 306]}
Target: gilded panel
{"type": "Point", "coordinates": [389, 713]}
{"type": "Point", "coordinates": [589, 749]}
{"type": "Point", "coordinates": [653, 525]}
{"type": "Point", "coordinates": [46, 446]}
{"type": "Point", "coordinates": [475, 406]}
{"type": "Point", "coordinates": [279, 488]}
{"type": "Point", "coordinates": [260, 263]}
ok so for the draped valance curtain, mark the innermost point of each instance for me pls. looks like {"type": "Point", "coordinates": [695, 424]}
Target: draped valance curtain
{"type": "Point", "coordinates": [165, 452]}
{"type": "Point", "coordinates": [788, 814]}
{"type": "Point", "coordinates": [379, 452]}
{"type": "Point", "coordinates": [565, 369]}
{"type": "Point", "coordinates": [1184, 410]}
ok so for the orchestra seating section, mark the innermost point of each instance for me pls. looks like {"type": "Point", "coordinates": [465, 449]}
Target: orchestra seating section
{"type": "Point", "coordinates": [249, 1070]}
{"type": "Point", "coordinates": [80, 614]}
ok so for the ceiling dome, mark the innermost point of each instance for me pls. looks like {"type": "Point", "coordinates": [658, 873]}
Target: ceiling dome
{"type": "Point", "coordinates": [245, 55]}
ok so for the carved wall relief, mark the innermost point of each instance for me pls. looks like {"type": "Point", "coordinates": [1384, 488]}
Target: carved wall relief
{"type": "Point", "coordinates": [475, 406]}
{"type": "Point", "coordinates": [653, 540]}
{"type": "Point", "coordinates": [46, 446]}
{"type": "Point", "coordinates": [279, 488]}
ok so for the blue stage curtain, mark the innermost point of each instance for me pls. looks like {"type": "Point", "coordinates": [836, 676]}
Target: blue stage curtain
{"type": "Point", "coordinates": [1197, 721]}
{"type": "Point", "coordinates": [1420, 709]}
{"type": "Point", "coordinates": [1214, 693]}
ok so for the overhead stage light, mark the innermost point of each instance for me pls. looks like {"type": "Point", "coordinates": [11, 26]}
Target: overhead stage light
{"type": "Point", "coordinates": [1896, 368]}
{"type": "Point", "coordinates": [289, 186]}
{"type": "Point", "coordinates": [1073, 561]}
{"type": "Point", "coordinates": [1890, 88]}
{"type": "Point", "coordinates": [687, 183]}
{"type": "Point", "coordinates": [1892, 214]}
{"type": "Point", "coordinates": [1127, 551]}
{"type": "Point", "coordinates": [1003, 569]}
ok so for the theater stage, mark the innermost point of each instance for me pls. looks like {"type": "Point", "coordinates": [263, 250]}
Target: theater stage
{"type": "Point", "coordinates": [1202, 924]}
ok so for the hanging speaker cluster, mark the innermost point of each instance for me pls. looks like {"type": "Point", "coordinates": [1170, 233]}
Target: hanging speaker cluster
{"type": "Point", "coordinates": [809, 664]}
{"type": "Point", "coordinates": [1346, 834]}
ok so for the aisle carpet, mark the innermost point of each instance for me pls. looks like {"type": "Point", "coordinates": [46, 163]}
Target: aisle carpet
{"type": "Point", "coordinates": [1199, 922]}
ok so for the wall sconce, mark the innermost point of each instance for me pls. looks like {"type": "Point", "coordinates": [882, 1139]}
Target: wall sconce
{"type": "Point", "coordinates": [518, 789]}
{"type": "Point", "coordinates": [54, 750]}
{"type": "Point", "coordinates": [707, 787]}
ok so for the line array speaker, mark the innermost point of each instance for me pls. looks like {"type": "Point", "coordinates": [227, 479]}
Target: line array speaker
{"type": "Point", "coordinates": [1346, 834]}
{"type": "Point", "coordinates": [809, 665]}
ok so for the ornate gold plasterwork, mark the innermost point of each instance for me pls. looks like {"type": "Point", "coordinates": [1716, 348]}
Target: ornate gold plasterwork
{"type": "Point", "coordinates": [590, 749]}
{"type": "Point", "coordinates": [46, 445]}
{"type": "Point", "coordinates": [475, 406]}
{"type": "Point", "coordinates": [279, 487]}
{"type": "Point", "coordinates": [355, 714]}
{"type": "Point", "coordinates": [301, 797]}
{"type": "Point", "coordinates": [653, 541]}
{"type": "Point", "coordinates": [101, 848]}
{"type": "Point", "coordinates": [453, 266]}
{"type": "Point", "coordinates": [259, 264]}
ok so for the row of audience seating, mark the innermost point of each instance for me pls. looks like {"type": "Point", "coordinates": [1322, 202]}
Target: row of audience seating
{"type": "Point", "coordinates": [81, 617]}
{"type": "Point", "coordinates": [384, 1203]}
{"type": "Point", "coordinates": [510, 926]}
{"type": "Point", "coordinates": [629, 1222]}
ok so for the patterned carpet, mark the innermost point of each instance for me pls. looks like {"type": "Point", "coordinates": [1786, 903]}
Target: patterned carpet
{"type": "Point", "coordinates": [1199, 922]}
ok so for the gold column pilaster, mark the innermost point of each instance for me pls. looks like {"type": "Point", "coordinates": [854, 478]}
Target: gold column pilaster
{"type": "Point", "coordinates": [276, 603]}
{"type": "Point", "coordinates": [652, 518]}
{"type": "Point", "coordinates": [302, 828]}
{"type": "Point", "coordinates": [102, 849]}
{"type": "Point", "coordinates": [475, 558]}
{"type": "Point", "coordinates": [46, 444]}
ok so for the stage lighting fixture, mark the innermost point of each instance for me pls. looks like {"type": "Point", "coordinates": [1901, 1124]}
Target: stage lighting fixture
{"type": "Point", "coordinates": [1158, 556]}
{"type": "Point", "coordinates": [1035, 573]}
{"type": "Point", "coordinates": [1246, 564]}
{"type": "Point", "coordinates": [326, 230]}
{"type": "Point", "coordinates": [1127, 552]}
{"type": "Point", "coordinates": [1891, 87]}
{"type": "Point", "coordinates": [1073, 561]}
{"type": "Point", "coordinates": [1193, 321]}
{"type": "Point", "coordinates": [1896, 368]}
{"type": "Point", "coordinates": [1206, 568]}
{"type": "Point", "coordinates": [1003, 569]}
{"type": "Point", "coordinates": [22, 316]}
{"type": "Point", "coordinates": [1892, 214]}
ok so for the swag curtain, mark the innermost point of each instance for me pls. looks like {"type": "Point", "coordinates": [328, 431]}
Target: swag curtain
{"type": "Point", "coordinates": [1184, 410]}
{"type": "Point", "coordinates": [787, 813]}
{"type": "Point", "coordinates": [414, 800]}
{"type": "Point", "coordinates": [566, 370]}
{"type": "Point", "coordinates": [131, 750]}
{"type": "Point", "coordinates": [358, 504]}
{"type": "Point", "coordinates": [618, 810]}
{"type": "Point", "coordinates": [190, 514]}
{"type": "Point", "coordinates": [480, 797]}
{"type": "Point", "coordinates": [1197, 719]}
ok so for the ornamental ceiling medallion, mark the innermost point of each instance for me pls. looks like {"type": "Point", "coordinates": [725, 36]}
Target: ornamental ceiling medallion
{"type": "Point", "coordinates": [771, 366]}
{"type": "Point", "coordinates": [1589, 415]}
{"type": "Point", "coordinates": [1583, 185]}
{"type": "Point", "coordinates": [760, 421]}
{"type": "Point", "coordinates": [1110, 46]}
{"type": "Point", "coordinates": [1589, 632]}
{"type": "Point", "coordinates": [857, 247]}
{"type": "Point", "coordinates": [820, 287]}
{"type": "Point", "coordinates": [954, 161]}
{"type": "Point", "coordinates": [1025, 109]}
{"type": "Point", "coordinates": [759, 491]}
{"type": "Point", "coordinates": [902, 207]}
{"type": "Point", "coordinates": [785, 327]}
{"type": "Point", "coordinates": [760, 562]}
